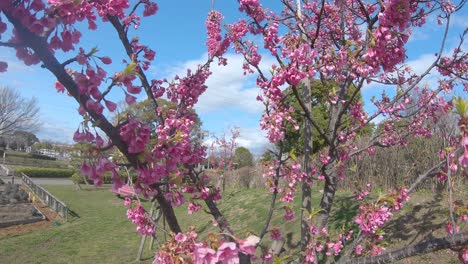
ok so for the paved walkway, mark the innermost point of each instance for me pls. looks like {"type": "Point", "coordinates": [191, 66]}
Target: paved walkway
{"type": "Point", "coordinates": [40, 181]}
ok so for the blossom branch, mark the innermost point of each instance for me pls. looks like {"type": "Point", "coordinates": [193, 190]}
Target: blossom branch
{"type": "Point", "coordinates": [449, 242]}
{"type": "Point", "coordinates": [141, 74]}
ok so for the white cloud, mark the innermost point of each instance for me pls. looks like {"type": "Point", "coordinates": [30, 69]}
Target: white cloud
{"type": "Point", "coordinates": [227, 86]}
{"type": "Point", "coordinates": [230, 99]}
{"type": "Point", "coordinates": [14, 65]}
{"type": "Point", "coordinates": [52, 132]}
{"type": "Point", "coordinates": [253, 138]}
{"type": "Point", "coordinates": [421, 65]}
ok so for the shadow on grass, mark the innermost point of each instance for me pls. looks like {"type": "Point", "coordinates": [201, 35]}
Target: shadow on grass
{"type": "Point", "coordinates": [73, 213]}
{"type": "Point", "coordinates": [345, 211]}
{"type": "Point", "coordinates": [418, 223]}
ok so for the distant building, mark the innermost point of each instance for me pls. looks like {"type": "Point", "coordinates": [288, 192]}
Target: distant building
{"type": "Point", "coordinates": [59, 155]}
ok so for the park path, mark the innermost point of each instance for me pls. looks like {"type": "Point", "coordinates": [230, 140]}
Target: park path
{"type": "Point", "coordinates": [40, 181]}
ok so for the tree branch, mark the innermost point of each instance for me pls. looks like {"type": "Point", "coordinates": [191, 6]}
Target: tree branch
{"type": "Point", "coordinates": [42, 51]}
{"type": "Point", "coordinates": [455, 241]}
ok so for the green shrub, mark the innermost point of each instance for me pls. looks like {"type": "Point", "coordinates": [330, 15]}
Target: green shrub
{"type": "Point", "coordinates": [77, 178]}
{"type": "Point", "coordinates": [42, 157]}
{"type": "Point", "coordinates": [107, 178]}
{"type": "Point", "coordinates": [45, 172]}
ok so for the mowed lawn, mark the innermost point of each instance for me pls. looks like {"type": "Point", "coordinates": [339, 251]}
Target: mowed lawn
{"type": "Point", "coordinates": [103, 234]}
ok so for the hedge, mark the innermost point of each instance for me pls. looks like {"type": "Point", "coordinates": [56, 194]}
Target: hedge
{"type": "Point", "coordinates": [42, 157]}
{"type": "Point", "coordinates": [45, 172]}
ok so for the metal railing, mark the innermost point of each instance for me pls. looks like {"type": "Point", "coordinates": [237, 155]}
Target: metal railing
{"type": "Point", "coordinates": [4, 171]}
{"type": "Point", "coordinates": [46, 197]}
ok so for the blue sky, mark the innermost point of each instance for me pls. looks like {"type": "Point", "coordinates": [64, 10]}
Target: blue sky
{"type": "Point", "coordinates": [177, 34]}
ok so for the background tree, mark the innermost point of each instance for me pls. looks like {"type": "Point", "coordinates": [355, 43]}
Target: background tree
{"type": "Point", "coordinates": [20, 140]}
{"type": "Point", "coordinates": [145, 112]}
{"type": "Point", "coordinates": [267, 156]}
{"type": "Point", "coordinates": [243, 157]}
{"type": "Point", "coordinates": [43, 145]}
{"type": "Point", "coordinates": [319, 103]}
{"type": "Point", "coordinates": [17, 113]}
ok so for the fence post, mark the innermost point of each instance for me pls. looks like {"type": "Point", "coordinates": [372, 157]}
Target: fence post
{"type": "Point", "coordinates": [51, 201]}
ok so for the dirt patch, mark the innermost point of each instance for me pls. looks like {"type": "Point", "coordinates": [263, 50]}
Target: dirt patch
{"type": "Point", "coordinates": [50, 215]}
{"type": "Point", "coordinates": [15, 214]}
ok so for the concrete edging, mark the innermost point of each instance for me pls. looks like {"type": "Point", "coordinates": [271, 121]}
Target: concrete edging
{"type": "Point", "coordinates": [25, 221]}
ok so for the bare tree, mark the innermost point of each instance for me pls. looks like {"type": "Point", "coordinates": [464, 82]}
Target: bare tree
{"type": "Point", "coordinates": [17, 112]}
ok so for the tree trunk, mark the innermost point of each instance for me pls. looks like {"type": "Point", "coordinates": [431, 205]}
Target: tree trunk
{"type": "Point", "coordinates": [168, 213]}
{"type": "Point", "coordinates": [306, 204]}
{"type": "Point", "coordinates": [328, 197]}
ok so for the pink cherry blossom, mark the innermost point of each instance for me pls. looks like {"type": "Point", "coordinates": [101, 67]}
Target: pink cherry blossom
{"type": "Point", "coordinates": [463, 256]}
{"type": "Point", "coordinates": [247, 246]}
{"type": "Point", "coordinates": [228, 253]}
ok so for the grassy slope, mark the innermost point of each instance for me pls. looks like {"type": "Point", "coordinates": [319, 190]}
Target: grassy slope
{"type": "Point", "coordinates": [102, 234]}
{"type": "Point", "coordinates": [24, 159]}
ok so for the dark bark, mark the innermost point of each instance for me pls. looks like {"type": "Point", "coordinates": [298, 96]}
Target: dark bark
{"type": "Point", "coordinates": [168, 212]}
{"type": "Point", "coordinates": [328, 197]}
{"type": "Point", "coordinates": [270, 211]}
{"type": "Point", "coordinates": [218, 216]}
{"type": "Point", "coordinates": [457, 241]}
{"type": "Point", "coordinates": [306, 204]}
{"type": "Point", "coordinates": [224, 226]}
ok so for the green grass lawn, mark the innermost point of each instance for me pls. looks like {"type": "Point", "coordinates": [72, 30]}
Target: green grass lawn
{"type": "Point", "coordinates": [102, 233]}
{"type": "Point", "coordinates": [24, 161]}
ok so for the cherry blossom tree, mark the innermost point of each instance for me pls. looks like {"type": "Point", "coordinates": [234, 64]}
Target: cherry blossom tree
{"type": "Point", "coordinates": [350, 43]}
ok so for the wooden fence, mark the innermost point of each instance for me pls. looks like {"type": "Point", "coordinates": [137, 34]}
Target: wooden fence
{"type": "Point", "coordinates": [46, 197]}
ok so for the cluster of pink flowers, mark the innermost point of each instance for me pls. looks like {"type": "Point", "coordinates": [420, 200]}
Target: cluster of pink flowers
{"type": "Point", "coordinates": [358, 114]}
{"type": "Point", "coordinates": [215, 43]}
{"type": "Point", "coordinates": [372, 217]}
{"type": "Point", "coordinates": [463, 255]}
{"type": "Point", "coordinates": [94, 171]}
{"type": "Point", "coordinates": [331, 247]}
{"type": "Point", "coordinates": [399, 196]}
{"type": "Point", "coordinates": [140, 218]}
{"type": "Point", "coordinates": [288, 213]}
{"type": "Point", "coordinates": [189, 88]}
{"type": "Point", "coordinates": [136, 135]}
{"type": "Point", "coordinates": [451, 229]}
{"type": "Point", "coordinates": [292, 175]}
{"type": "Point", "coordinates": [360, 195]}
{"type": "Point", "coordinates": [253, 8]}
{"type": "Point", "coordinates": [185, 246]}
{"type": "Point", "coordinates": [227, 252]}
